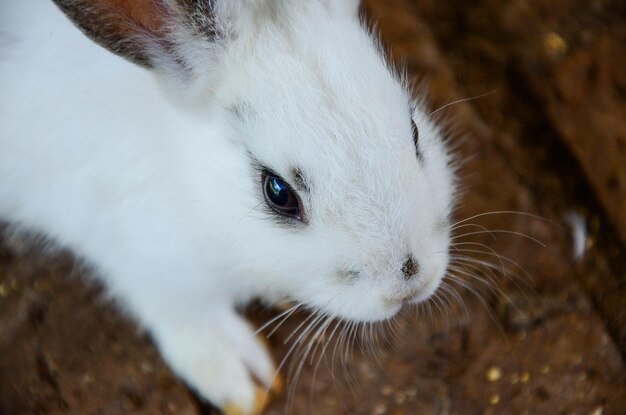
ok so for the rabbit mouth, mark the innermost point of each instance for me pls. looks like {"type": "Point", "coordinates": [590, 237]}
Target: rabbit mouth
{"type": "Point", "coordinates": [405, 298]}
{"type": "Point", "coordinates": [415, 296]}
{"type": "Point", "coordinates": [425, 292]}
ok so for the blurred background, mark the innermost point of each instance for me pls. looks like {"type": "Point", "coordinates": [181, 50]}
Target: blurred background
{"type": "Point", "coordinates": [533, 94]}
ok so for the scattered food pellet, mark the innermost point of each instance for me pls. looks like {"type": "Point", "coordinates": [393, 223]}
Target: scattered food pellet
{"type": "Point", "coordinates": [554, 44]}
{"type": "Point", "coordinates": [386, 390]}
{"type": "Point", "coordinates": [545, 370]}
{"type": "Point", "coordinates": [494, 374]}
{"type": "Point", "coordinates": [524, 377]}
{"type": "Point", "coordinates": [598, 411]}
{"type": "Point", "coordinates": [146, 367]}
{"type": "Point", "coordinates": [3, 290]}
{"type": "Point", "coordinates": [514, 378]}
{"type": "Point", "coordinates": [380, 409]}
{"type": "Point", "coordinates": [399, 398]}
{"type": "Point", "coordinates": [87, 379]}
{"type": "Point", "coordinates": [494, 399]}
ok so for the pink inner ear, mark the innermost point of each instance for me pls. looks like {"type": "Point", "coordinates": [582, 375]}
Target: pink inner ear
{"type": "Point", "coordinates": [150, 15]}
{"type": "Point", "coordinates": [129, 28]}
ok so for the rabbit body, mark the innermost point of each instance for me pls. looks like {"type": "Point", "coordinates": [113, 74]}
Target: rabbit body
{"type": "Point", "coordinates": [153, 177]}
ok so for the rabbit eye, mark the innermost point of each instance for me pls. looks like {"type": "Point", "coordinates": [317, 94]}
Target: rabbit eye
{"type": "Point", "coordinates": [280, 197]}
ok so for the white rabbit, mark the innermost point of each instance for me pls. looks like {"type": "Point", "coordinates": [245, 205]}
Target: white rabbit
{"type": "Point", "coordinates": [259, 149]}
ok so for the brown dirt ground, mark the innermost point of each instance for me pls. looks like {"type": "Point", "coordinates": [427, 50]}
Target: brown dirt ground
{"type": "Point", "coordinates": [549, 138]}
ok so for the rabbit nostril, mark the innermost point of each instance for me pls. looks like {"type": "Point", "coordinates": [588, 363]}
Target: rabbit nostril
{"type": "Point", "coordinates": [410, 268]}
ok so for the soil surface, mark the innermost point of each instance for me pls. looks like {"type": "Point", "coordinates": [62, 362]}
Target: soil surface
{"type": "Point", "coordinates": [539, 93]}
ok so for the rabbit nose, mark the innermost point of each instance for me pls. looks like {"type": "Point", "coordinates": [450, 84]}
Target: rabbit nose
{"type": "Point", "coordinates": [410, 268]}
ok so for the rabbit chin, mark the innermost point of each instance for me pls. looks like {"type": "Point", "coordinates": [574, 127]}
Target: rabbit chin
{"type": "Point", "coordinates": [366, 310]}
{"type": "Point", "coordinates": [370, 305]}
{"type": "Point", "coordinates": [425, 293]}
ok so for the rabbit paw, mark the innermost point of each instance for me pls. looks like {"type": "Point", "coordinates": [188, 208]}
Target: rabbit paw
{"type": "Point", "coordinates": [262, 398]}
{"type": "Point", "coordinates": [221, 361]}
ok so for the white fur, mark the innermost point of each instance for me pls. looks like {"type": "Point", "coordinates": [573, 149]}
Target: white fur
{"type": "Point", "coordinates": [156, 188]}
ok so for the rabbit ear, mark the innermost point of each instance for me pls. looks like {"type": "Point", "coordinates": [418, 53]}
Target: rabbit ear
{"type": "Point", "coordinates": [157, 34]}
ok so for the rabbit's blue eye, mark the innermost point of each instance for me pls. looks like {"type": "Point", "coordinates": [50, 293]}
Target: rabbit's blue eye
{"type": "Point", "coordinates": [280, 197]}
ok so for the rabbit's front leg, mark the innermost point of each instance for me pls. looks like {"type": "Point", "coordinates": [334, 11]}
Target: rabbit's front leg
{"type": "Point", "coordinates": [218, 357]}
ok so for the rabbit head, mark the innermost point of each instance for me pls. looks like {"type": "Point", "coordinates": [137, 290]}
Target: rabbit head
{"type": "Point", "coordinates": [348, 181]}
